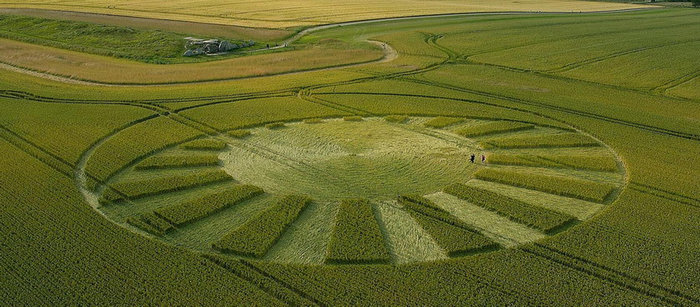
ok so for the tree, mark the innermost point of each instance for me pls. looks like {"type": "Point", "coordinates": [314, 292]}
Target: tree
{"type": "Point", "coordinates": [696, 3]}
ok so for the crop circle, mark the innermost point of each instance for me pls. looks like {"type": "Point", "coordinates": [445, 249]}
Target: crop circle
{"type": "Point", "coordinates": [395, 189]}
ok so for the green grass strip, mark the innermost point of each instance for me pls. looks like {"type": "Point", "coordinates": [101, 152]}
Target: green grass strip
{"type": "Point", "coordinates": [442, 122]}
{"type": "Point", "coordinates": [493, 128]}
{"type": "Point", "coordinates": [148, 187]}
{"type": "Point", "coordinates": [541, 218]}
{"type": "Point", "coordinates": [596, 163]}
{"type": "Point", "coordinates": [356, 237]}
{"type": "Point", "coordinates": [189, 211]}
{"type": "Point", "coordinates": [542, 141]}
{"type": "Point", "coordinates": [564, 186]}
{"type": "Point", "coordinates": [204, 144]}
{"type": "Point", "coordinates": [257, 235]}
{"type": "Point", "coordinates": [160, 162]}
{"type": "Point", "coordinates": [450, 233]}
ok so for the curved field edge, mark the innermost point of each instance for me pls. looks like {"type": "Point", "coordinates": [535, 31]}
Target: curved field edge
{"type": "Point", "coordinates": [72, 65]}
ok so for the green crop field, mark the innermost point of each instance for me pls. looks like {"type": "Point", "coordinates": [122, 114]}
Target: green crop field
{"type": "Point", "coordinates": [518, 153]}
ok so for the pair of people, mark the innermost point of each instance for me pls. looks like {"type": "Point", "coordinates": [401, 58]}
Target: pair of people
{"type": "Point", "coordinates": [483, 158]}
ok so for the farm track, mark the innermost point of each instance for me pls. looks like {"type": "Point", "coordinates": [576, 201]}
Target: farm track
{"type": "Point", "coordinates": [668, 195]}
{"type": "Point", "coordinates": [610, 275]}
{"type": "Point", "coordinates": [663, 88]}
{"type": "Point", "coordinates": [575, 65]}
{"type": "Point", "coordinates": [563, 109]}
{"type": "Point", "coordinates": [569, 79]}
{"type": "Point", "coordinates": [654, 129]}
{"type": "Point", "coordinates": [567, 37]}
{"type": "Point", "coordinates": [456, 58]}
{"type": "Point", "coordinates": [253, 276]}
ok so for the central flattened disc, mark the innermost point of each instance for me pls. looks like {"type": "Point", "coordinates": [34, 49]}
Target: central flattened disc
{"type": "Point", "coordinates": [338, 159]}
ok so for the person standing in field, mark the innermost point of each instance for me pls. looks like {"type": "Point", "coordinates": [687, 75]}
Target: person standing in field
{"type": "Point", "coordinates": [472, 158]}
{"type": "Point", "coordinates": [483, 159]}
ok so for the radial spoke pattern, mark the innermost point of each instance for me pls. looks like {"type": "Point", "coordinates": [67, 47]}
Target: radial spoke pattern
{"type": "Point", "coordinates": [366, 190]}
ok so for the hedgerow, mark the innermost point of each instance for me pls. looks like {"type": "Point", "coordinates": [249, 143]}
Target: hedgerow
{"type": "Point", "coordinates": [493, 128]}
{"type": "Point", "coordinates": [564, 186]}
{"type": "Point", "coordinates": [450, 233]}
{"type": "Point", "coordinates": [163, 161]}
{"type": "Point", "coordinates": [189, 211]}
{"type": "Point", "coordinates": [442, 122]}
{"type": "Point", "coordinates": [518, 211]}
{"type": "Point", "coordinates": [599, 163]}
{"type": "Point", "coordinates": [257, 235]}
{"type": "Point", "coordinates": [142, 188]}
{"type": "Point", "coordinates": [552, 140]}
{"type": "Point", "coordinates": [356, 236]}
{"type": "Point", "coordinates": [204, 144]}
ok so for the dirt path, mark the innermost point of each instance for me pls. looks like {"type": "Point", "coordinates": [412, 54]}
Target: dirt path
{"type": "Point", "coordinates": [46, 76]}
{"type": "Point", "coordinates": [389, 55]}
